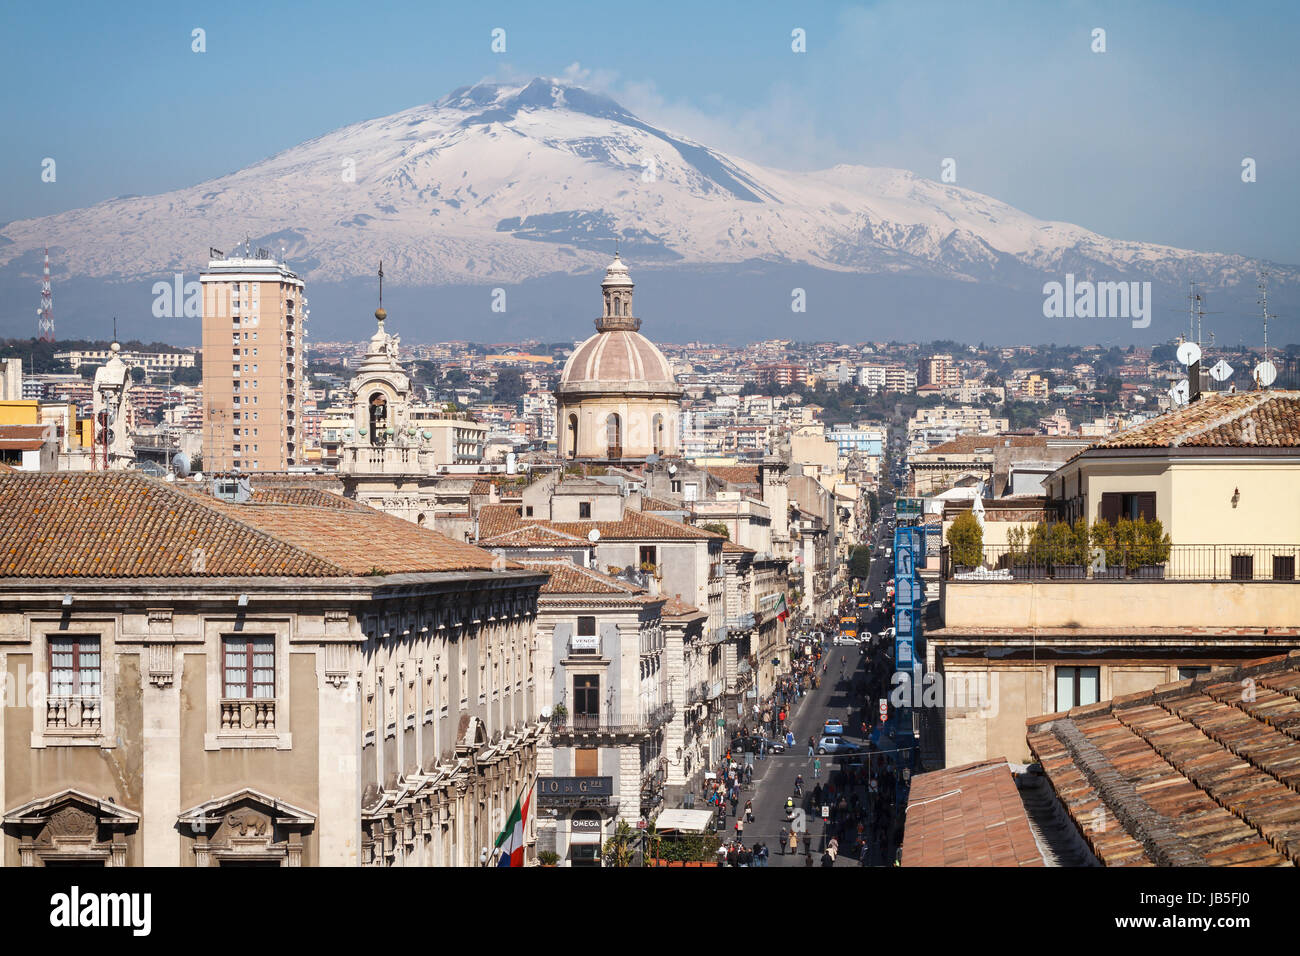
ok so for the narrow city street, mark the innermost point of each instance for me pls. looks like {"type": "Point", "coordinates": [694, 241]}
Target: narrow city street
{"type": "Point", "coordinates": [774, 776]}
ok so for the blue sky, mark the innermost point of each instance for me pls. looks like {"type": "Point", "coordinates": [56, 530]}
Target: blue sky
{"type": "Point", "coordinates": [1144, 141]}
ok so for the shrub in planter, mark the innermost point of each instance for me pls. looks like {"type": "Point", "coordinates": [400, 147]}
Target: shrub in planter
{"type": "Point", "coordinates": [548, 857]}
{"type": "Point", "coordinates": [1104, 536]}
{"type": "Point", "coordinates": [966, 539]}
{"type": "Point", "coordinates": [1028, 550]}
{"type": "Point", "coordinates": [1151, 546]}
{"type": "Point", "coordinates": [1068, 545]}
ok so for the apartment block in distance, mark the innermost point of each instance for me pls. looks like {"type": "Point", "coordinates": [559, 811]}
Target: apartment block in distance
{"type": "Point", "coordinates": [252, 373]}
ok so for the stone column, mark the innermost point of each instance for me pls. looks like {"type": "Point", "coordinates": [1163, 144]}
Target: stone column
{"type": "Point", "coordinates": [160, 803]}
{"type": "Point", "coordinates": [338, 825]}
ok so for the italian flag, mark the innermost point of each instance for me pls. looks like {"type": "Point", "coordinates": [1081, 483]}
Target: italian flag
{"type": "Point", "coordinates": [511, 840]}
{"type": "Point", "coordinates": [782, 612]}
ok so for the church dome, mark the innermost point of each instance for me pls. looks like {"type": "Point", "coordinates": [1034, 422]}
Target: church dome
{"type": "Point", "coordinates": [623, 359]}
{"type": "Point", "coordinates": [618, 358]}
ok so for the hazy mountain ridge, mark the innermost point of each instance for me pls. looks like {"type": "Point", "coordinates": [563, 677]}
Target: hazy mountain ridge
{"type": "Point", "coordinates": [501, 184]}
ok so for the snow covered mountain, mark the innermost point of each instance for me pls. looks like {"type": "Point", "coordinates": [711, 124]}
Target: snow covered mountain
{"type": "Point", "coordinates": [498, 184]}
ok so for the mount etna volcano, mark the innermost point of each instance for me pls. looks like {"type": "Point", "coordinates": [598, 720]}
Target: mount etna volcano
{"type": "Point", "coordinates": [527, 188]}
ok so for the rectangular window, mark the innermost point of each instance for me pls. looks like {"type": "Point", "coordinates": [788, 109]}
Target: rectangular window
{"type": "Point", "coordinates": [249, 667]}
{"type": "Point", "coordinates": [1077, 686]}
{"type": "Point", "coordinates": [1243, 567]}
{"type": "Point", "coordinates": [1283, 567]}
{"type": "Point", "coordinates": [649, 554]}
{"type": "Point", "coordinates": [586, 696]}
{"type": "Point", "coordinates": [1131, 505]}
{"type": "Point", "coordinates": [586, 627]}
{"type": "Point", "coordinates": [74, 667]}
{"type": "Point", "coordinates": [584, 509]}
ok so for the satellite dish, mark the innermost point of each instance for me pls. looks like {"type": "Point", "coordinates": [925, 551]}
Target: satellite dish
{"type": "Point", "coordinates": [1180, 392]}
{"type": "Point", "coordinates": [1189, 352]}
{"type": "Point", "coordinates": [1265, 374]}
{"type": "Point", "coordinates": [1221, 371]}
{"type": "Point", "coordinates": [593, 535]}
{"type": "Point", "coordinates": [181, 465]}
{"type": "Point", "coordinates": [546, 713]}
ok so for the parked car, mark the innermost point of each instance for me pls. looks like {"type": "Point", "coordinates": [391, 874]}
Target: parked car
{"type": "Point", "coordinates": [749, 744]}
{"type": "Point", "coordinates": [834, 728]}
{"type": "Point", "coordinates": [836, 745]}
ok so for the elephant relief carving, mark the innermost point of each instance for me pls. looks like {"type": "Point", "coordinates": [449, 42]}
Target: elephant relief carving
{"type": "Point", "coordinates": [245, 821]}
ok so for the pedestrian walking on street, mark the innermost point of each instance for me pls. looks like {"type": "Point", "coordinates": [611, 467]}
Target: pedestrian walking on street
{"type": "Point", "coordinates": [762, 749]}
{"type": "Point", "coordinates": [749, 811]}
{"type": "Point", "coordinates": [785, 835]}
{"type": "Point", "coordinates": [740, 828]}
{"type": "Point", "coordinates": [817, 768]}
{"type": "Point", "coordinates": [811, 746]}
{"type": "Point", "coordinates": [793, 842]}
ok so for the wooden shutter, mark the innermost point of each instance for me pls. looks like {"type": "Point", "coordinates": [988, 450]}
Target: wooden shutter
{"type": "Point", "coordinates": [586, 762]}
{"type": "Point", "coordinates": [1283, 567]}
{"type": "Point", "coordinates": [1243, 567]}
{"type": "Point", "coordinates": [1146, 505]}
{"type": "Point", "coordinates": [1110, 505]}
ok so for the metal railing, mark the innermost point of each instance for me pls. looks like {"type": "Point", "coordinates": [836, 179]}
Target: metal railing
{"type": "Point", "coordinates": [1181, 562]}
{"type": "Point", "coordinates": [614, 723]}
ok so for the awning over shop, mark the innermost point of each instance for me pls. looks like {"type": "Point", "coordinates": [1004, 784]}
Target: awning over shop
{"type": "Point", "coordinates": [685, 821]}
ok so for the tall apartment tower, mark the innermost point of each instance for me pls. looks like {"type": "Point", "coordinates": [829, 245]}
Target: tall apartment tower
{"type": "Point", "coordinates": [252, 363]}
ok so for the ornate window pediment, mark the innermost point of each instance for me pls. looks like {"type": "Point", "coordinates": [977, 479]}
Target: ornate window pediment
{"type": "Point", "coordinates": [247, 827]}
{"type": "Point", "coordinates": [71, 827]}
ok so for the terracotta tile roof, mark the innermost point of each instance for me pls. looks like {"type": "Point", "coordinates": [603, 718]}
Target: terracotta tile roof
{"type": "Point", "coordinates": [533, 535]}
{"type": "Point", "coordinates": [125, 524]}
{"type": "Point", "coordinates": [736, 474]}
{"type": "Point", "coordinates": [481, 487]}
{"type": "Point", "coordinates": [313, 497]}
{"type": "Point", "coordinates": [659, 504]}
{"type": "Point", "coordinates": [967, 444]}
{"type": "Point", "coordinates": [635, 526]}
{"type": "Point", "coordinates": [568, 578]}
{"type": "Point", "coordinates": [1201, 772]}
{"type": "Point", "coordinates": [1238, 420]}
{"type": "Point", "coordinates": [21, 444]}
{"type": "Point", "coordinates": [496, 520]}
{"type": "Point", "coordinates": [970, 815]}
{"type": "Point", "coordinates": [676, 607]}
{"type": "Point", "coordinates": [7, 469]}
{"type": "Point", "coordinates": [730, 547]}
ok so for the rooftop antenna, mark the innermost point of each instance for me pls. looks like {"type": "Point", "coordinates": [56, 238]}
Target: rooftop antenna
{"type": "Point", "coordinates": [1263, 302]}
{"type": "Point", "coordinates": [1265, 372]}
{"type": "Point", "coordinates": [45, 314]}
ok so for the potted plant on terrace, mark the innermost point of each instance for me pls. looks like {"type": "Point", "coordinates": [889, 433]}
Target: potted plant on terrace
{"type": "Point", "coordinates": [1105, 538]}
{"type": "Point", "coordinates": [1068, 544]}
{"type": "Point", "coordinates": [966, 539]}
{"type": "Point", "coordinates": [1151, 547]}
{"type": "Point", "coordinates": [548, 857]}
{"type": "Point", "coordinates": [559, 714]}
{"type": "Point", "coordinates": [1027, 552]}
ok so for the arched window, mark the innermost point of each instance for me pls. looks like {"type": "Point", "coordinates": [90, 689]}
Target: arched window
{"type": "Point", "coordinates": [420, 519]}
{"type": "Point", "coordinates": [573, 436]}
{"type": "Point", "coordinates": [614, 435]}
{"type": "Point", "coordinates": [378, 418]}
{"type": "Point", "coordinates": [658, 426]}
